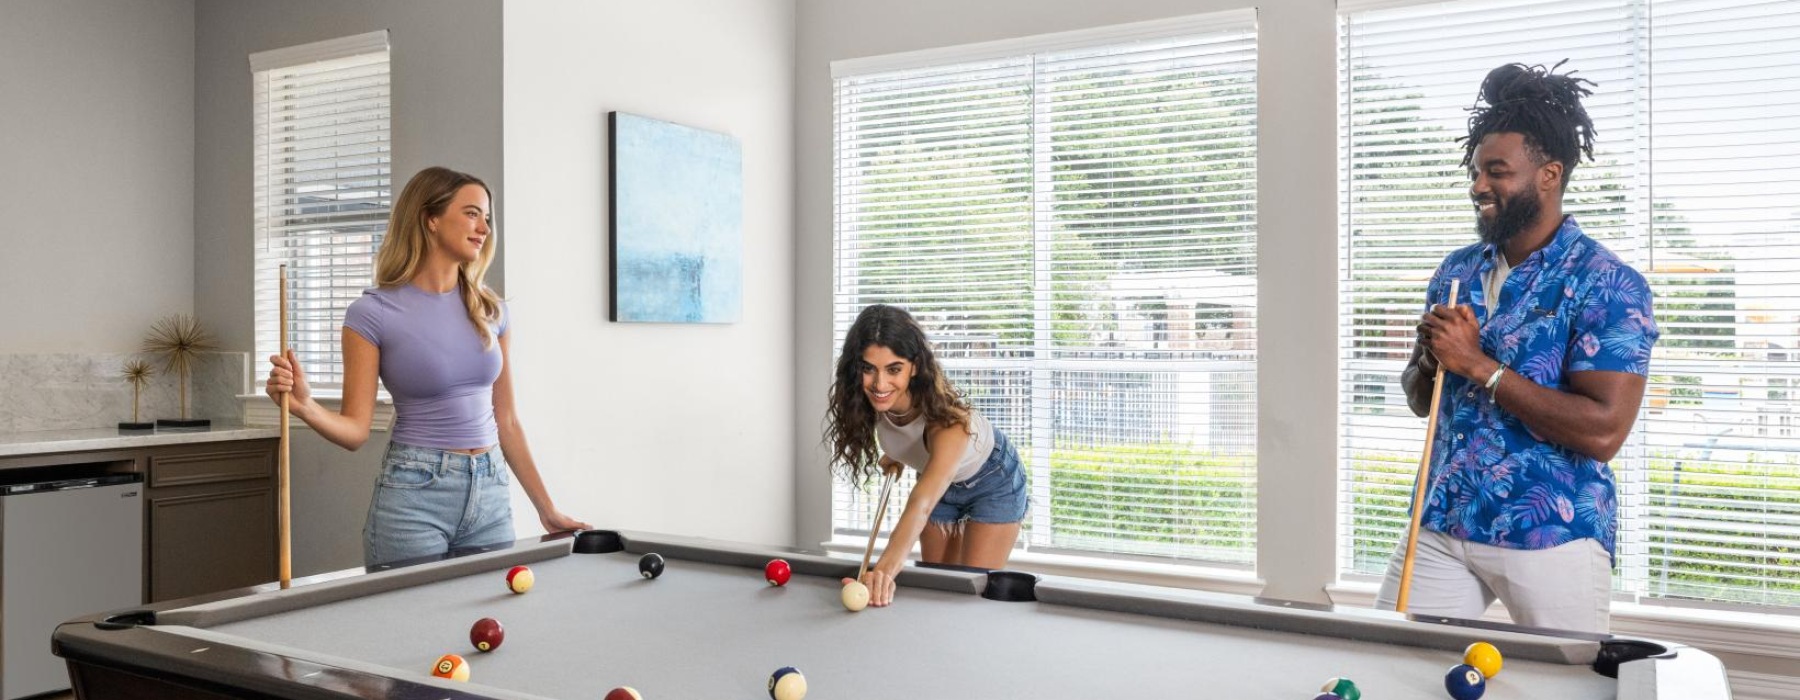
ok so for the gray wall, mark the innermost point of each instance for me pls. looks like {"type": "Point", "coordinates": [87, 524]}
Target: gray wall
{"type": "Point", "coordinates": [97, 167]}
{"type": "Point", "coordinates": [1297, 124]}
{"type": "Point", "coordinates": [446, 111]}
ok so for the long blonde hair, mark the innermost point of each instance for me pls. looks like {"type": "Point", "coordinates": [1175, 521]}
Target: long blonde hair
{"type": "Point", "coordinates": [408, 239]}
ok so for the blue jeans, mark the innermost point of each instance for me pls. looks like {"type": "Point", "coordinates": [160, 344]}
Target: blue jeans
{"type": "Point", "coordinates": [995, 494]}
{"type": "Point", "coordinates": [429, 501]}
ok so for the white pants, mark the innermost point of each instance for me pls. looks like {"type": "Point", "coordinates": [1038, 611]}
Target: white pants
{"type": "Point", "coordinates": [1567, 587]}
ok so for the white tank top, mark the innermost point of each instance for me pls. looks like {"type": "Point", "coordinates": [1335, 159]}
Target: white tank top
{"type": "Point", "coordinates": [906, 443]}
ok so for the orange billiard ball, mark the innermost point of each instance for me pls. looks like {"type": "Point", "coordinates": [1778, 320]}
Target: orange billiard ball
{"type": "Point", "coordinates": [452, 667]}
{"type": "Point", "coordinates": [519, 579]}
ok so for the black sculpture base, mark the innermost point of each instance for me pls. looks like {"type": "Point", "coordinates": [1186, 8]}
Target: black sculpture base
{"type": "Point", "coordinates": [183, 424]}
{"type": "Point", "coordinates": [129, 427]}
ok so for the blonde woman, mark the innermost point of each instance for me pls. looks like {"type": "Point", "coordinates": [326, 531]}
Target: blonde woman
{"type": "Point", "coordinates": [438, 338]}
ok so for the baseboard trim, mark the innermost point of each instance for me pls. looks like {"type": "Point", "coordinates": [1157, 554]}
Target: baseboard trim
{"type": "Point", "coordinates": [1763, 686]}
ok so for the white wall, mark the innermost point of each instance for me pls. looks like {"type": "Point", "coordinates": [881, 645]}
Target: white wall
{"type": "Point", "coordinates": [97, 172]}
{"type": "Point", "coordinates": [446, 111]}
{"type": "Point", "coordinates": [1297, 121]}
{"type": "Point", "coordinates": [674, 428]}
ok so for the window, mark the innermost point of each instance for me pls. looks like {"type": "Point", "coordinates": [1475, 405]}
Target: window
{"type": "Point", "coordinates": [323, 190]}
{"type": "Point", "coordinates": [1073, 220]}
{"type": "Point", "coordinates": [1694, 183]}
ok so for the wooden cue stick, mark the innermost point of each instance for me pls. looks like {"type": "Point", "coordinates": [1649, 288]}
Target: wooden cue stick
{"type": "Point", "coordinates": [887, 486]}
{"type": "Point", "coordinates": [282, 486]}
{"type": "Point", "coordinates": [1418, 508]}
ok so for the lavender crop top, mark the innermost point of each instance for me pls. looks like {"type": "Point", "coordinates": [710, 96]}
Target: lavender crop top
{"type": "Point", "coordinates": [433, 364]}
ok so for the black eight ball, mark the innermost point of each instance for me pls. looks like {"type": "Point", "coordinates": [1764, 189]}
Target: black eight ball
{"type": "Point", "coordinates": [651, 565]}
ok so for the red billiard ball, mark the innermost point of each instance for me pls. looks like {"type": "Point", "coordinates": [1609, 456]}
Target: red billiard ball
{"type": "Point", "coordinates": [487, 634]}
{"type": "Point", "coordinates": [623, 693]}
{"type": "Point", "coordinates": [777, 572]}
{"type": "Point", "coordinates": [519, 579]}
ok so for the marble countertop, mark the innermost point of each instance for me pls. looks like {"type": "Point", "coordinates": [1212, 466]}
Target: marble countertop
{"type": "Point", "coordinates": [54, 441]}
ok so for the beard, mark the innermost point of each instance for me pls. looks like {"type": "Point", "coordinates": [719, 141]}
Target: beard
{"type": "Point", "coordinates": [1511, 216]}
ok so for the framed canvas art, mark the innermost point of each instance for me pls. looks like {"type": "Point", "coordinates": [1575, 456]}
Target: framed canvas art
{"type": "Point", "coordinates": [677, 209]}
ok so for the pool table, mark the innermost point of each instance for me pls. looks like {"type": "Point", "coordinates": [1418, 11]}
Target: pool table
{"type": "Point", "coordinates": [710, 627]}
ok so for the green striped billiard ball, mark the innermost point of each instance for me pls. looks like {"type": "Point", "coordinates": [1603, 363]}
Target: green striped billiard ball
{"type": "Point", "coordinates": [1343, 688]}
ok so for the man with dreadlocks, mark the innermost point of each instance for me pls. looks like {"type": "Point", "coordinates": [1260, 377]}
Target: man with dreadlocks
{"type": "Point", "coordinates": [1545, 354]}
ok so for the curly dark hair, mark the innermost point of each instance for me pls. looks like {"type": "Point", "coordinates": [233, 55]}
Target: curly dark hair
{"type": "Point", "coordinates": [850, 419]}
{"type": "Point", "coordinates": [1540, 105]}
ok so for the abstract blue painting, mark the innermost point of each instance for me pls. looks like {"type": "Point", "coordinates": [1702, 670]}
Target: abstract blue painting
{"type": "Point", "coordinates": [677, 204]}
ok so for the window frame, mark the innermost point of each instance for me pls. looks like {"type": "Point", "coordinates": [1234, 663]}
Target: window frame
{"type": "Point", "coordinates": [318, 294]}
{"type": "Point", "coordinates": [1646, 199]}
{"type": "Point", "coordinates": [996, 53]}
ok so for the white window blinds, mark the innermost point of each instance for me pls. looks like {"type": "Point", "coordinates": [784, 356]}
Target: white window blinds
{"type": "Point", "coordinates": [1075, 227]}
{"type": "Point", "coordinates": [1720, 519]}
{"type": "Point", "coordinates": [1693, 184]}
{"type": "Point", "coordinates": [322, 190]}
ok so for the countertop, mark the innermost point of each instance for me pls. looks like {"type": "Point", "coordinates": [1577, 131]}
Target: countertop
{"type": "Point", "coordinates": [84, 440]}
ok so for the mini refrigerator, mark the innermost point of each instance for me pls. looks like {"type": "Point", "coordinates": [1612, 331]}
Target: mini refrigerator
{"type": "Point", "coordinates": [68, 547]}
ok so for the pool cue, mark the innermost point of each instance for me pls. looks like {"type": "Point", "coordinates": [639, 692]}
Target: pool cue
{"type": "Point", "coordinates": [1412, 530]}
{"type": "Point", "coordinates": [282, 486]}
{"type": "Point", "coordinates": [887, 486]}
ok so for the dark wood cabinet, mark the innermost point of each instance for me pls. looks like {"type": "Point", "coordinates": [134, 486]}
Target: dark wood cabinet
{"type": "Point", "coordinates": [209, 518]}
{"type": "Point", "coordinates": [209, 509]}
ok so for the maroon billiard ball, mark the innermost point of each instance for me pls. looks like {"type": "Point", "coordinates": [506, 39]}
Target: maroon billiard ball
{"type": "Point", "coordinates": [487, 634]}
{"type": "Point", "coordinates": [777, 572]}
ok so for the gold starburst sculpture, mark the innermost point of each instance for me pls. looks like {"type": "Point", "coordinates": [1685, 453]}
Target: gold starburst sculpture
{"type": "Point", "coordinates": [178, 339]}
{"type": "Point", "coordinates": [138, 372]}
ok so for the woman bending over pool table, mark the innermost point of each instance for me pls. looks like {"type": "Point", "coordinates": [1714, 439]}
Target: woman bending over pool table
{"type": "Point", "coordinates": [892, 408]}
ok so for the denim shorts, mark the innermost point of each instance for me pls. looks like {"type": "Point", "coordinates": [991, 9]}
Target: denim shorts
{"type": "Point", "coordinates": [995, 494]}
{"type": "Point", "coordinates": [429, 501]}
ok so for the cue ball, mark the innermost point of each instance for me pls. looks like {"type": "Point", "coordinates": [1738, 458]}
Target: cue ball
{"type": "Point", "coordinates": [1485, 658]}
{"type": "Point", "coordinates": [452, 667]}
{"type": "Point", "coordinates": [1464, 682]}
{"type": "Point", "coordinates": [856, 596]}
{"type": "Point", "coordinates": [1327, 696]}
{"type": "Point", "coordinates": [651, 565]}
{"type": "Point", "coordinates": [777, 572]}
{"type": "Point", "coordinates": [487, 634]}
{"type": "Point", "coordinates": [1343, 688]}
{"type": "Point", "coordinates": [623, 693]}
{"type": "Point", "coordinates": [786, 683]}
{"type": "Point", "coordinates": [519, 579]}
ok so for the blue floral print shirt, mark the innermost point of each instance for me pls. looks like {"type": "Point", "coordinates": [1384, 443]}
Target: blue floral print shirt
{"type": "Point", "coordinates": [1572, 306]}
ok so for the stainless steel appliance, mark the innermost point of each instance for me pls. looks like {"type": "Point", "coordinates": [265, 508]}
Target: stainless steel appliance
{"type": "Point", "coordinates": [67, 547]}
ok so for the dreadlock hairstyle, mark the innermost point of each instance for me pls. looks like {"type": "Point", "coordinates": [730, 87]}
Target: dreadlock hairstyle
{"type": "Point", "coordinates": [1539, 104]}
{"type": "Point", "coordinates": [850, 429]}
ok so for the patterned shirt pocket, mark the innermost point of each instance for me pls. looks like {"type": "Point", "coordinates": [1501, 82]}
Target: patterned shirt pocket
{"type": "Point", "coordinates": [1535, 346]}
